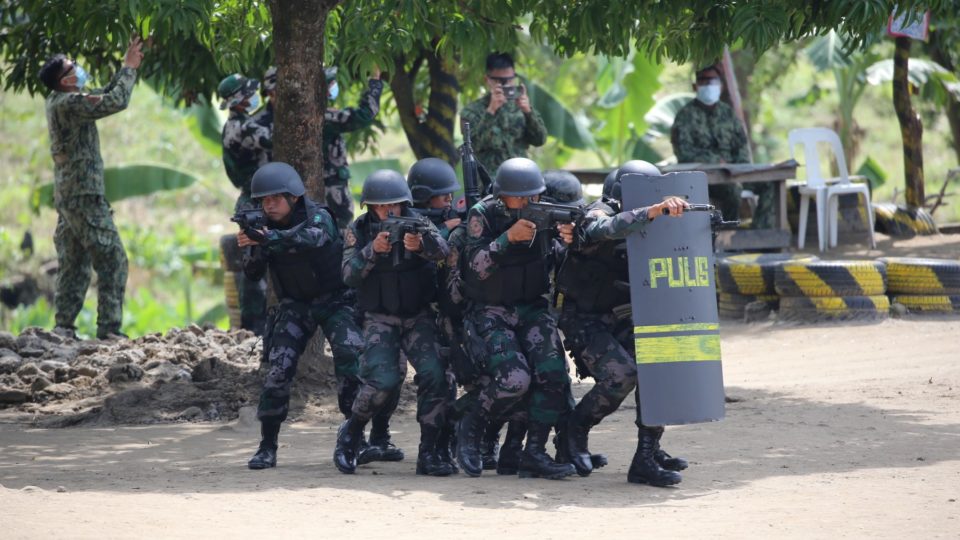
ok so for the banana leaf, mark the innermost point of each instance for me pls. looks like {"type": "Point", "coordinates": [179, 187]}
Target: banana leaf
{"type": "Point", "coordinates": [128, 181]}
{"type": "Point", "coordinates": [559, 121]}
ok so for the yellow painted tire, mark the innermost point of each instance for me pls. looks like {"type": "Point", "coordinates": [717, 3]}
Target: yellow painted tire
{"type": "Point", "coordinates": [753, 273]}
{"type": "Point", "coordinates": [733, 306]}
{"type": "Point", "coordinates": [899, 222]}
{"type": "Point", "coordinates": [831, 279]}
{"type": "Point", "coordinates": [813, 309]}
{"type": "Point", "coordinates": [928, 303]}
{"type": "Point", "coordinates": [913, 275]}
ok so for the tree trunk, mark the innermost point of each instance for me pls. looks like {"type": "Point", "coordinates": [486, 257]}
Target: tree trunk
{"type": "Point", "coordinates": [298, 30]}
{"type": "Point", "coordinates": [301, 99]}
{"type": "Point", "coordinates": [431, 136]}
{"type": "Point", "coordinates": [940, 55]}
{"type": "Point", "coordinates": [911, 129]}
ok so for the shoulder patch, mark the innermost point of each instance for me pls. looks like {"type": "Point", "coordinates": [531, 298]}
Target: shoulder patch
{"type": "Point", "coordinates": [349, 238]}
{"type": "Point", "coordinates": [475, 226]}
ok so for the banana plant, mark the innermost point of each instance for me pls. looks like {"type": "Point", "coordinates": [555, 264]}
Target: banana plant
{"type": "Point", "coordinates": [127, 181]}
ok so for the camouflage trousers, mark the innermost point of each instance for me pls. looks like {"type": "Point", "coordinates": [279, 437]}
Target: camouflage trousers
{"type": "Point", "coordinates": [340, 202]}
{"type": "Point", "coordinates": [87, 237]}
{"type": "Point", "coordinates": [593, 342]}
{"type": "Point", "coordinates": [291, 325]}
{"type": "Point", "coordinates": [252, 294]}
{"type": "Point", "coordinates": [524, 354]}
{"type": "Point", "coordinates": [766, 211]}
{"type": "Point", "coordinates": [391, 342]}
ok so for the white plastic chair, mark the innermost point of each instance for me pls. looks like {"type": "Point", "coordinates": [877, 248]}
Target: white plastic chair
{"type": "Point", "coordinates": [825, 191]}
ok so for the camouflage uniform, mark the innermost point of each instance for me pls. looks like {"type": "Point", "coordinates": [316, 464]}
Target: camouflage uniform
{"type": "Point", "coordinates": [307, 300]}
{"type": "Point", "coordinates": [600, 344]}
{"type": "Point", "coordinates": [336, 174]}
{"type": "Point", "coordinates": [504, 135]}
{"type": "Point", "coordinates": [393, 339]}
{"type": "Point", "coordinates": [86, 234]}
{"type": "Point", "coordinates": [248, 145]}
{"type": "Point", "coordinates": [703, 134]}
{"type": "Point", "coordinates": [521, 337]}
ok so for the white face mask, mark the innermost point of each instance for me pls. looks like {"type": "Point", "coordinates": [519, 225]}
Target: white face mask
{"type": "Point", "coordinates": [709, 94]}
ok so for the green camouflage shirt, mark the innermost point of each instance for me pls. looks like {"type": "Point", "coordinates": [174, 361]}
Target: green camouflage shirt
{"type": "Point", "coordinates": [504, 135]}
{"type": "Point", "coordinates": [74, 140]}
{"type": "Point", "coordinates": [702, 134]}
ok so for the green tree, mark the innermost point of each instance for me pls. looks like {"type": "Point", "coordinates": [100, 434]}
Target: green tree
{"type": "Point", "coordinates": [195, 42]}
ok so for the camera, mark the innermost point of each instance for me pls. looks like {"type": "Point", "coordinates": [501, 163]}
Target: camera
{"type": "Point", "coordinates": [510, 91]}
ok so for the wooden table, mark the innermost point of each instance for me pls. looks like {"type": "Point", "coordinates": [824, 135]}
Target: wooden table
{"type": "Point", "coordinates": [743, 173]}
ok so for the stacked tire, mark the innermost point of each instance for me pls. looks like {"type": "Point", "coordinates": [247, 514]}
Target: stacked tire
{"type": "Point", "coordinates": [924, 286]}
{"type": "Point", "coordinates": [814, 291]}
{"type": "Point", "coordinates": [748, 279]}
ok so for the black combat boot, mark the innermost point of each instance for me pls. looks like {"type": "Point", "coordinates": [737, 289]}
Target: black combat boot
{"type": "Point", "coordinates": [535, 462]}
{"type": "Point", "coordinates": [266, 456]}
{"type": "Point", "coordinates": [490, 445]}
{"type": "Point", "coordinates": [380, 439]}
{"type": "Point", "coordinates": [577, 430]}
{"type": "Point", "coordinates": [445, 446]}
{"type": "Point", "coordinates": [644, 468]}
{"type": "Point", "coordinates": [348, 445]}
{"type": "Point", "coordinates": [428, 461]}
{"type": "Point", "coordinates": [469, 431]}
{"type": "Point", "coordinates": [665, 460]}
{"type": "Point", "coordinates": [509, 461]}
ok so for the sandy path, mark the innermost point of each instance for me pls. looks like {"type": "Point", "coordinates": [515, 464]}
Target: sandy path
{"type": "Point", "coordinates": [842, 431]}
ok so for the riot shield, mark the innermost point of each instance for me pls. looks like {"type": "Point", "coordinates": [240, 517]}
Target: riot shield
{"type": "Point", "coordinates": [674, 302]}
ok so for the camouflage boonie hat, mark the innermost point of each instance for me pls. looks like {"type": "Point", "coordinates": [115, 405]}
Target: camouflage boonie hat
{"type": "Point", "coordinates": [236, 88]}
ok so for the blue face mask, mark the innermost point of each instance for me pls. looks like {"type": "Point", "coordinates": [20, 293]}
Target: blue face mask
{"type": "Point", "coordinates": [253, 103]}
{"type": "Point", "coordinates": [334, 92]}
{"type": "Point", "coordinates": [81, 75]}
{"type": "Point", "coordinates": [709, 94]}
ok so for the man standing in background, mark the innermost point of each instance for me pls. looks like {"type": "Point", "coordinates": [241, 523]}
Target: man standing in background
{"type": "Point", "coordinates": [503, 122]}
{"type": "Point", "coordinates": [247, 146]}
{"type": "Point", "coordinates": [86, 235]}
{"type": "Point", "coordinates": [706, 130]}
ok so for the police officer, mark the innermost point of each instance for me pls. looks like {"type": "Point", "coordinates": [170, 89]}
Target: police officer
{"type": "Point", "coordinates": [506, 279]}
{"type": "Point", "coordinates": [85, 236]}
{"type": "Point", "coordinates": [247, 145]}
{"type": "Point", "coordinates": [594, 279]}
{"type": "Point", "coordinates": [394, 292]}
{"type": "Point", "coordinates": [432, 184]}
{"type": "Point", "coordinates": [302, 248]}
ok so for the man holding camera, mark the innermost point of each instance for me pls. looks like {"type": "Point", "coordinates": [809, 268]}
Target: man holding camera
{"type": "Point", "coordinates": [503, 122]}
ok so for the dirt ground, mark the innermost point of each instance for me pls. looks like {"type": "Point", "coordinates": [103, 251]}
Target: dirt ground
{"type": "Point", "coordinates": [835, 430]}
{"type": "Point", "coordinates": [839, 431]}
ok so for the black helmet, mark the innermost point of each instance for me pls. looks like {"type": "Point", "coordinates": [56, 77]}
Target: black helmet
{"type": "Point", "coordinates": [276, 177]}
{"type": "Point", "coordinates": [385, 186]}
{"type": "Point", "coordinates": [430, 177]}
{"type": "Point", "coordinates": [563, 187]}
{"type": "Point", "coordinates": [518, 177]}
{"type": "Point", "coordinates": [635, 166]}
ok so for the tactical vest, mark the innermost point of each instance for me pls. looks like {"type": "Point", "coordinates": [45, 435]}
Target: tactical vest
{"type": "Point", "coordinates": [403, 290]}
{"type": "Point", "coordinates": [588, 281]}
{"type": "Point", "coordinates": [308, 274]}
{"type": "Point", "coordinates": [521, 276]}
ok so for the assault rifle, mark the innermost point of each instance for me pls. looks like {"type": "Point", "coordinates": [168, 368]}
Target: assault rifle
{"type": "Point", "coordinates": [397, 226]}
{"type": "Point", "coordinates": [471, 173]}
{"type": "Point", "coordinates": [252, 221]}
{"type": "Point", "coordinates": [546, 216]}
{"type": "Point", "coordinates": [441, 214]}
